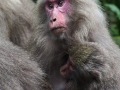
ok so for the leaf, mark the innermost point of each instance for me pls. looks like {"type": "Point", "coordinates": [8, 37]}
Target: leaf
{"type": "Point", "coordinates": [114, 8]}
{"type": "Point", "coordinates": [117, 40]}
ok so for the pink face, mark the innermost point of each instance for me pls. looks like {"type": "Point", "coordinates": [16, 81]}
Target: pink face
{"type": "Point", "coordinates": [57, 10]}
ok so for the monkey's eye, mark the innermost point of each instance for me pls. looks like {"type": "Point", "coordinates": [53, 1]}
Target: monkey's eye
{"type": "Point", "coordinates": [61, 2]}
{"type": "Point", "coordinates": [50, 5]}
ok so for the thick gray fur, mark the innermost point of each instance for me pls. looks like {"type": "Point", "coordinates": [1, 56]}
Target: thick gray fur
{"type": "Point", "coordinates": [18, 70]}
{"type": "Point", "coordinates": [16, 19]}
{"type": "Point", "coordinates": [86, 26]}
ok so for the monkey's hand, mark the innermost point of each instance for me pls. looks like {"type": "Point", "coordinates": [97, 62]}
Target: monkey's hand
{"type": "Point", "coordinates": [90, 62]}
{"type": "Point", "coordinates": [85, 61]}
{"type": "Point", "coordinates": [79, 54]}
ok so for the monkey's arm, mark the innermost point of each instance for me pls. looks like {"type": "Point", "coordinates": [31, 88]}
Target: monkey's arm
{"type": "Point", "coordinates": [93, 65]}
{"type": "Point", "coordinates": [79, 54]}
{"type": "Point", "coordinates": [87, 60]}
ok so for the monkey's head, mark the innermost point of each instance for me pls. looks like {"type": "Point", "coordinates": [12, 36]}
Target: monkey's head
{"type": "Point", "coordinates": [55, 16]}
{"type": "Point", "coordinates": [65, 19]}
{"type": "Point", "coordinates": [58, 17]}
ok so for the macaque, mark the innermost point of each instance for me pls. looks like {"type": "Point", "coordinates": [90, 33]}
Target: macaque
{"type": "Point", "coordinates": [72, 45]}
{"type": "Point", "coordinates": [18, 70]}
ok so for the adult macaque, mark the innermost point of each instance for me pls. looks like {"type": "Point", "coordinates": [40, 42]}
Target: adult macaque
{"type": "Point", "coordinates": [73, 46]}
{"type": "Point", "coordinates": [18, 71]}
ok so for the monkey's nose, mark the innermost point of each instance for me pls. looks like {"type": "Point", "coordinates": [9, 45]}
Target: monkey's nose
{"type": "Point", "coordinates": [53, 20]}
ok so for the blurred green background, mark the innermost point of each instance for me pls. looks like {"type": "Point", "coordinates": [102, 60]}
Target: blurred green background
{"type": "Point", "coordinates": [112, 9]}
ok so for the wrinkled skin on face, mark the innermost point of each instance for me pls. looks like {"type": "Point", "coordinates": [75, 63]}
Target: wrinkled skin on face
{"type": "Point", "coordinates": [56, 11]}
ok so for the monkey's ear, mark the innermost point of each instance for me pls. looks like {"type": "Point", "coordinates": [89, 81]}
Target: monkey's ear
{"type": "Point", "coordinates": [79, 54]}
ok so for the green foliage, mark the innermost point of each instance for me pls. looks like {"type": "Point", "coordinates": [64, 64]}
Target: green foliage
{"type": "Point", "coordinates": [112, 8]}
{"type": "Point", "coordinates": [35, 1]}
{"type": "Point", "coordinates": [117, 40]}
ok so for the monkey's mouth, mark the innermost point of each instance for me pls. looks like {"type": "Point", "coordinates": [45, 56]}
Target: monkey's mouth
{"type": "Point", "coordinates": [58, 30]}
